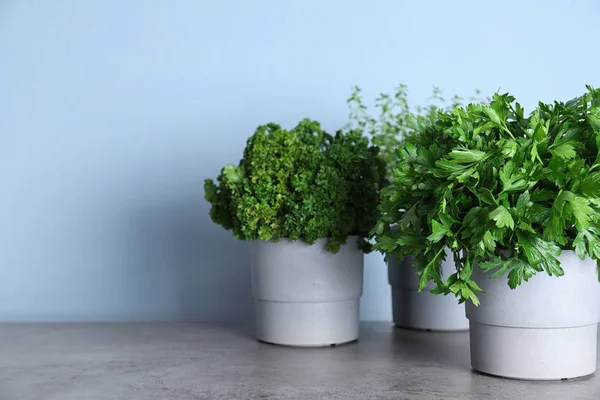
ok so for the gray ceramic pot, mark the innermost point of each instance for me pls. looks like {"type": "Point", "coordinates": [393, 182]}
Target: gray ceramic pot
{"type": "Point", "coordinates": [422, 310]}
{"type": "Point", "coordinates": [306, 296]}
{"type": "Point", "coordinates": [545, 329]}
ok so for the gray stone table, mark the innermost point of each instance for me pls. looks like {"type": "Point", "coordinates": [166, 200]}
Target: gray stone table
{"type": "Point", "coordinates": [146, 361]}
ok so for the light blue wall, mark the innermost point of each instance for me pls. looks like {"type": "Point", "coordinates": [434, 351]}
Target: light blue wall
{"type": "Point", "coordinates": [113, 112]}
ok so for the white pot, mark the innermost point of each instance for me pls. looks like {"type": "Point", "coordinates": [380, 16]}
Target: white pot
{"type": "Point", "coordinates": [306, 296]}
{"type": "Point", "coordinates": [545, 329]}
{"type": "Point", "coordinates": [422, 310]}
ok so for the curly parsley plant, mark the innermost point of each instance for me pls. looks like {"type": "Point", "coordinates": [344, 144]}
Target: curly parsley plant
{"type": "Point", "coordinates": [503, 191]}
{"type": "Point", "coordinates": [302, 184]}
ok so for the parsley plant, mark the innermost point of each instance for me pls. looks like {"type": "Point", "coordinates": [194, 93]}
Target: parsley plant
{"type": "Point", "coordinates": [504, 191]}
{"type": "Point", "coordinates": [302, 184]}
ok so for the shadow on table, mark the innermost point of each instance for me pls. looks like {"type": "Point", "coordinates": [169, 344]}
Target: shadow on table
{"type": "Point", "coordinates": [446, 348]}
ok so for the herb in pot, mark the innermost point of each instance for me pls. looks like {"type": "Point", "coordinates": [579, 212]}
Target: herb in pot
{"type": "Point", "coordinates": [504, 191]}
{"type": "Point", "coordinates": [302, 184]}
{"type": "Point", "coordinates": [392, 124]}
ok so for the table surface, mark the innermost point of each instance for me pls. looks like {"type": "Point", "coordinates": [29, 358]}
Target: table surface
{"type": "Point", "coordinates": [146, 361]}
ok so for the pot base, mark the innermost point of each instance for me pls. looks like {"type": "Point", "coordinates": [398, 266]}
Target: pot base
{"type": "Point", "coordinates": [321, 324]}
{"type": "Point", "coordinates": [309, 347]}
{"type": "Point", "coordinates": [534, 353]}
{"type": "Point", "coordinates": [427, 312]}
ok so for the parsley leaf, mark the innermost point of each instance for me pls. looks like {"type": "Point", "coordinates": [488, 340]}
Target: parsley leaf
{"type": "Point", "coordinates": [502, 217]}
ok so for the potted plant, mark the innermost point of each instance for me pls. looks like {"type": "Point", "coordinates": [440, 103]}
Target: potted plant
{"type": "Point", "coordinates": [307, 200]}
{"type": "Point", "coordinates": [410, 308]}
{"type": "Point", "coordinates": [519, 196]}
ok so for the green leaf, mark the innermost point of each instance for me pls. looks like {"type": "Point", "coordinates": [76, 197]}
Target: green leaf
{"type": "Point", "coordinates": [440, 290]}
{"type": "Point", "coordinates": [590, 186]}
{"type": "Point", "coordinates": [535, 155]}
{"type": "Point", "coordinates": [565, 150]}
{"type": "Point", "coordinates": [519, 271]}
{"type": "Point", "coordinates": [466, 271]}
{"type": "Point", "coordinates": [509, 148]}
{"type": "Point", "coordinates": [456, 287]}
{"type": "Point", "coordinates": [447, 220]}
{"type": "Point", "coordinates": [233, 174]}
{"type": "Point", "coordinates": [488, 241]}
{"type": "Point", "coordinates": [386, 244]}
{"type": "Point", "coordinates": [413, 122]}
{"type": "Point", "coordinates": [593, 240]}
{"type": "Point", "coordinates": [581, 210]}
{"type": "Point", "coordinates": [486, 196]}
{"type": "Point", "coordinates": [540, 130]}
{"type": "Point", "coordinates": [464, 290]}
{"type": "Point", "coordinates": [519, 111]}
{"type": "Point", "coordinates": [431, 270]}
{"type": "Point", "coordinates": [424, 278]}
{"type": "Point", "coordinates": [475, 217]}
{"type": "Point", "coordinates": [579, 245]}
{"type": "Point", "coordinates": [494, 263]}
{"type": "Point", "coordinates": [594, 120]}
{"type": "Point", "coordinates": [379, 228]}
{"type": "Point", "coordinates": [451, 167]}
{"type": "Point", "coordinates": [556, 222]}
{"type": "Point", "coordinates": [512, 179]}
{"type": "Point", "coordinates": [502, 217]}
{"type": "Point", "coordinates": [575, 169]}
{"type": "Point", "coordinates": [541, 254]}
{"type": "Point", "coordinates": [482, 128]}
{"type": "Point", "coordinates": [474, 286]}
{"type": "Point", "coordinates": [524, 204]}
{"type": "Point", "coordinates": [409, 218]}
{"type": "Point", "coordinates": [463, 155]}
{"type": "Point", "coordinates": [467, 293]}
{"type": "Point", "coordinates": [438, 231]}
{"type": "Point", "coordinates": [413, 240]}
{"type": "Point", "coordinates": [542, 195]}
{"type": "Point", "coordinates": [493, 115]}
{"type": "Point", "coordinates": [466, 175]}
{"type": "Point", "coordinates": [524, 226]}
